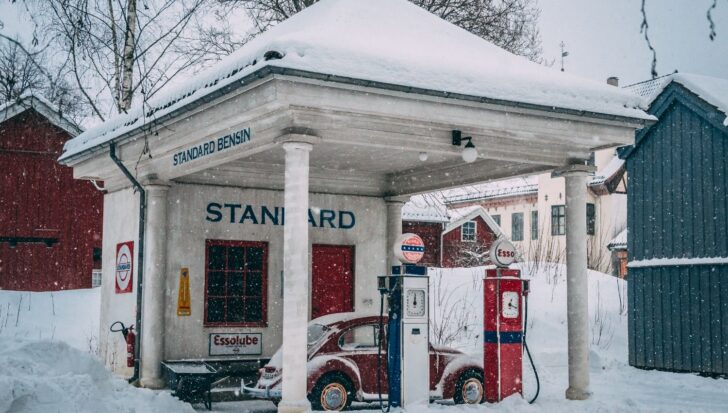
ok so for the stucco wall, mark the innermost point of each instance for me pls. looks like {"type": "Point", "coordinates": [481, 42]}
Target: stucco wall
{"type": "Point", "coordinates": [186, 337]}
{"type": "Point", "coordinates": [121, 223]}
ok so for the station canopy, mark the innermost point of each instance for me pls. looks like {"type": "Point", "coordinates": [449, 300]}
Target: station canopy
{"type": "Point", "coordinates": [378, 86]}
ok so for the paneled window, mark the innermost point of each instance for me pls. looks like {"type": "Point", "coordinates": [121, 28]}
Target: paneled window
{"type": "Point", "coordinates": [235, 283]}
{"type": "Point", "coordinates": [517, 226]}
{"type": "Point", "coordinates": [534, 224]}
{"type": "Point", "coordinates": [469, 231]}
{"type": "Point", "coordinates": [496, 218]}
{"type": "Point", "coordinates": [558, 220]}
{"type": "Point", "coordinates": [591, 220]}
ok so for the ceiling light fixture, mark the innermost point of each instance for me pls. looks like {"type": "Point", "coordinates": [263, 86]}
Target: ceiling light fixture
{"type": "Point", "coordinates": [470, 154]}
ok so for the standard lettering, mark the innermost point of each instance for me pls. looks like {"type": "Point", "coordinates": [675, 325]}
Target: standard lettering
{"type": "Point", "coordinates": [213, 212]}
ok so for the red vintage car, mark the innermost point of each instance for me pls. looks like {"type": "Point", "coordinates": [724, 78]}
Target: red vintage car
{"type": "Point", "coordinates": [342, 365]}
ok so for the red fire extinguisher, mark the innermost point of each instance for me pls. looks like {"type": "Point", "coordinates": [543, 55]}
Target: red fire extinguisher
{"type": "Point", "coordinates": [129, 337]}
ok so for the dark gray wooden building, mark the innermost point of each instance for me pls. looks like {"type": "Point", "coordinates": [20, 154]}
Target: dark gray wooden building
{"type": "Point", "coordinates": [678, 227]}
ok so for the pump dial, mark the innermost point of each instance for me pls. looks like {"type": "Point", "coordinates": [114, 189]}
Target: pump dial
{"type": "Point", "coordinates": [416, 303]}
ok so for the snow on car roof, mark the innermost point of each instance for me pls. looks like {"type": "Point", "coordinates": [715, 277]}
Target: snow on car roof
{"type": "Point", "coordinates": [335, 318]}
{"type": "Point", "coordinates": [386, 41]}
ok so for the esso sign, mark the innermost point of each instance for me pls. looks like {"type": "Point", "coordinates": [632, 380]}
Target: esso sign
{"type": "Point", "coordinates": [503, 253]}
{"type": "Point", "coordinates": [409, 248]}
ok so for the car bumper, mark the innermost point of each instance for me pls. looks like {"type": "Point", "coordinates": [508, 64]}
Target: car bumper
{"type": "Point", "coordinates": [264, 393]}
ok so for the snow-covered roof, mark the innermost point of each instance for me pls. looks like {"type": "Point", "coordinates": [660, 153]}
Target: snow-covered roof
{"type": "Point", "coordinates": [41, 105]}
{"type": "Point", "coordinates": [609, 170]}
{"type": "Point", "coordinates": [424, 209]}
{"type": "Point", "coordinates": [459, 216]}
{"type": "Point", "coordinates": [493, 190]}
{"type": "Point", "coordinates": [711, 89]}
{"type": "Point", "coordinates": [381, 42]}
{"type": "Point", "coordinates": [619, 242]}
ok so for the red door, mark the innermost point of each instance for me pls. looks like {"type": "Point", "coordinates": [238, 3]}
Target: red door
{"type": "Point", "coordinates": [332, 279]}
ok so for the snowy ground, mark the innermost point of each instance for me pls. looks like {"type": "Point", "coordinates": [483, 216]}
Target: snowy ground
{"type": "Point", "coordinates": [41, 373]}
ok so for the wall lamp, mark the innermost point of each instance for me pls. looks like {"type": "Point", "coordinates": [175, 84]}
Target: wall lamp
{"type": "Point", "coordinates": [470, 154]}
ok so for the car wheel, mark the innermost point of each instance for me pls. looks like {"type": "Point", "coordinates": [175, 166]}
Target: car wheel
{"type": "Point", "coordinates": [469, 388]}
{"type": "Point", "coordinates": [333, 392]}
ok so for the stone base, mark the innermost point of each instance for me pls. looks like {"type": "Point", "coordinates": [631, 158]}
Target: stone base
{"type": "Point", "coordinates": [298, 406]}
{"type": "Point", "coordinates": [574, 393]}
{"type": "Point", "coordinates": [153, 383]}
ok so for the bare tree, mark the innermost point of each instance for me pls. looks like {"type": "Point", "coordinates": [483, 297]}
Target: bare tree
{"type": "Point", "coordinates": [510, 24]}
{"type": "Point", "coordinates": [22, 73]}
{"type": "Point", "coordinates": [116, 50]}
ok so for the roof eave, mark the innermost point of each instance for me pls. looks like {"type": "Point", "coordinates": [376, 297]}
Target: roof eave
{"type": "Point", "coordinates": [269, 70]}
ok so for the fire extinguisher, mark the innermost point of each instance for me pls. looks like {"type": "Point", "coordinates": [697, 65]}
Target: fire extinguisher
{"type": "Point", "coordinates": [129, 337]}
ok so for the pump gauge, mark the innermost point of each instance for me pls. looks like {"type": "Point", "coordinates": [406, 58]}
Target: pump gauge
{"type": "Point", "coordinates": [415, 303]}
{"type": "Point", "coordinates": [510, 303]}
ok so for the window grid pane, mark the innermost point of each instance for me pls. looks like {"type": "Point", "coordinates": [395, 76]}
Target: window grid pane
{"type": "Point", "coordinates": [534, 224]}
{"type": "Point", "coordinates": [590, 219]}
{"type": "Point", "coordinates": [558, 220]}
{"type": "Point", "coordinates": [235, 284]}
{"type": "Point", "coordinates": [517, 226]}
{"type": "Point", "coordinates": [468, 231]}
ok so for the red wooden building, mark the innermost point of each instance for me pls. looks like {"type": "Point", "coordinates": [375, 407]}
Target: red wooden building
{"type": "Point", "coordinates": [453, 238]}
{"type": "Point", "coordinates": [50, 224]}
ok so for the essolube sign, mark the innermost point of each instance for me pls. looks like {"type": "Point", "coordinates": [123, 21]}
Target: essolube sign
{"type": "Point", "coordinates": [233, 344]}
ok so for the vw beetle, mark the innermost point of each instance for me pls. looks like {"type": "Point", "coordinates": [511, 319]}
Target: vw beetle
{"type": "Point", "coordinates": [343, 357]}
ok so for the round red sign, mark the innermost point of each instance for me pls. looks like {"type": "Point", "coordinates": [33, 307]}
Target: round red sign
{"type": "Point", "coordinates": [409, 248]}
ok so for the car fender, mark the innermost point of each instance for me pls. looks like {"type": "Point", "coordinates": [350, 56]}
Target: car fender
{"type": "Point", "coordinates": [322, 365]}
{"type": "Point", "coordinates": [454, 370]}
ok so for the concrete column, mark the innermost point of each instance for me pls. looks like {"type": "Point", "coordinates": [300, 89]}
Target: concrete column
{"type": "Point", "coordinates": [577, 287]}
{"type": "Point", "coordinates": [394, 227]}
{"type": "Point", "coordinates": [295, 270]}
{"type": "Point", "coordinates": [155, 260]}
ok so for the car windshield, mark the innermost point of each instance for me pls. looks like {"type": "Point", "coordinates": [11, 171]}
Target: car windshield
{"type": "Point", "coordinates": [315, 332]}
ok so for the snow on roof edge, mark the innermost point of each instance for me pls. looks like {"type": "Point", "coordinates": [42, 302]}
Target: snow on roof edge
{"type": "Point", "coordinates": [321, 56]}
{"type": "Point", "coordinates": [41, 105]}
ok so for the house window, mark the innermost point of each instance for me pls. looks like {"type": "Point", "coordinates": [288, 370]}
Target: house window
{"type": "Point", "coordinates": [95, 278]}
{"type": "Point", "coordinates": [235, 283]}
{"type": "Point", "coordinates": [517, 226]}
{"type": "Point", "coordinates": [558, 220]}
{"type": "Point", "coordinates": [496, 218]}
{"type": "Point", "coordinates": [468, 231]}
{"type": "Point", "coordinates": [534, 224]}
{"type": "Point", "coordinates": [591, 222]}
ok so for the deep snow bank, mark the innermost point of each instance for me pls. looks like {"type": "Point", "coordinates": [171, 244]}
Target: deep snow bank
{"type": "Point", "coordinates": [71, 316]}
{"type": "Point", "coordinates": [45, 376]}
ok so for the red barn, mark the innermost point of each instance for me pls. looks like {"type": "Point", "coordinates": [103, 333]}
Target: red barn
{"type": "Point", "coordinates": [50, 224]}
{"type": "Point", "coordinates": [466, 240]}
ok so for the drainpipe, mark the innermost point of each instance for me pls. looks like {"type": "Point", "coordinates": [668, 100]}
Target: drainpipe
{"type": "Point", "coordinates": [140, 258]}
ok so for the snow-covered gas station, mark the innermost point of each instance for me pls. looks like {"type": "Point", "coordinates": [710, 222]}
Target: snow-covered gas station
{"type": "Point", "coordinates": [327, 122]}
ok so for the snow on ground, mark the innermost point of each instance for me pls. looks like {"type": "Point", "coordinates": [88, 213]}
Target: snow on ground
{"type": "Point", "coordinates": [47, 365]}
{"type": "Point", "coordinates": [45, 376]}
{"type": "Point", "coordinates": [48, 342]}
{"type": "Point", "coordinates": [70, 316]}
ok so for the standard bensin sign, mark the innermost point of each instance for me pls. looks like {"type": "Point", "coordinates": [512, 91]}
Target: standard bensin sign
{"type": "Point", "coordinates": [234, 344]}
{"type": "Point", "coordinates": [208, 148]}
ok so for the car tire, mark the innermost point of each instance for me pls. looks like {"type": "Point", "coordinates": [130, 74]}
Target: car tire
{"type": "Point", "coordinates": [333, 392]}
{"type": "Point", "coordinates": [469, 388]}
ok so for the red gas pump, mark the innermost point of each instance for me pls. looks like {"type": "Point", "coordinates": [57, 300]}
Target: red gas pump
{"type": "Point", "coordinates": [504, 325]}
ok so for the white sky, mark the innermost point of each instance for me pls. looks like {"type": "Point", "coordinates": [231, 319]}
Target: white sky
{"type": "Point", "coordinates": [602, 36]}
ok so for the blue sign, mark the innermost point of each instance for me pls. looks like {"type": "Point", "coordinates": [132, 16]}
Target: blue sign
{"type": "Point", "coordinates": [264, 215]}
{"type": "Point", "coordinates": [208, 148]}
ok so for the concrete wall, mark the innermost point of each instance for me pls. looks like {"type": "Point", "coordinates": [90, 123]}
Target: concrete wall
{"type": "Point", "coordinates": [186, 337]}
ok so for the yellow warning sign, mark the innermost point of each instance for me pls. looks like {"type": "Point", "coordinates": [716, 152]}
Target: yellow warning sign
{"type": "Point", "coordinates": [183, 297]}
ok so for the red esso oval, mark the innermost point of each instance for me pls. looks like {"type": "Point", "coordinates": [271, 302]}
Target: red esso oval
{"type": "Point", "coordinates": [409, 248]}
{"type": "Point", "coordinates": [503, 253]}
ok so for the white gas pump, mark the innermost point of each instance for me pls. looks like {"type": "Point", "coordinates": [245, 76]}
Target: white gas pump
{"type": "Point", "coordinates": [407, 292]}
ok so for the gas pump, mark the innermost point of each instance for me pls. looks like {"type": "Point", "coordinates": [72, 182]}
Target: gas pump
{"type": "Point", "coordinates": [505, 323]}
{"type": "Point", "coordinates": [407, 293]}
